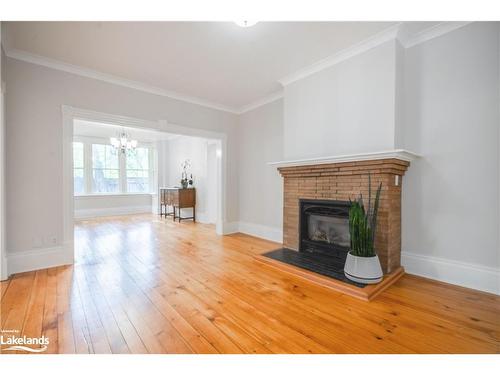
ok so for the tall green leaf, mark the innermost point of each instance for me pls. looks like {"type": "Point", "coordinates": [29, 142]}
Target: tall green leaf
{"type": "Point", "coordinates": [363, 223]}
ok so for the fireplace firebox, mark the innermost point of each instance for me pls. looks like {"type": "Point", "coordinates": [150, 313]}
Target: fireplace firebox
{"type": "Point", "coordinates": [324, 227]}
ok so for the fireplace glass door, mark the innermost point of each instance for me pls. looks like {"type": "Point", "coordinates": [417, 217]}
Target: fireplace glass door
{"type": "Point", "coordinates": [324, 227]}
{"type": "Point", "coordinates": [329, 229]}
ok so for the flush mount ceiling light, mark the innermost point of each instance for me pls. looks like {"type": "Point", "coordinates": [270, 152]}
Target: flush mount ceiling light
{"type": "Point", "coordinates": [123, 143]}
{"type": "Point", "coordinates": [245, 23]}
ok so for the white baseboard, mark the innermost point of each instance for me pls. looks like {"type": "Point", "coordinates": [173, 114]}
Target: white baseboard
{"type": "Point", "coordinates": [37, 259]}
{"type": "Point", "coordinates": [4, 274]}
{"type": "Point", "coordinates": [252, 229]}
{"type": "Point", "coordinates": [202, 217]}
{"type": "Point", "coordinates": [261, 231]}
{"type": "Point", "coordinates": [229, 227]}
{"type": "Point", "coordinates": [100, 212]}
{"type": "Point", "coordinates": [473, 276]}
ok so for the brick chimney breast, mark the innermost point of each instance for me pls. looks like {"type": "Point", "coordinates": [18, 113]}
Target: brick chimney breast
{"type": "Point", "coordinates": [344, 180]}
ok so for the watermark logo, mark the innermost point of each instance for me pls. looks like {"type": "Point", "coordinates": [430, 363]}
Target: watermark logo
{"type": "Point", "coordinates": [14, 342]}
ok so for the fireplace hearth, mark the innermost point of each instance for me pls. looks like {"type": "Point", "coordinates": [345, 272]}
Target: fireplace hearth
{"type": "Point", "coordinates": [324, 239]}
{"type": "Point", "coordinates": [321, 264]}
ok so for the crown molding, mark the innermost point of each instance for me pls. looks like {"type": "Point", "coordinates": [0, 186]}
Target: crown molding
{"type": "Point", "coordinates": [432, 32]}
{"type": "Point", "coordinates": [358, 48]}
{"type": "Point", "coordinates": [259, 103]}
{"type": "Point", "coordinates": [395, 32]}
{"type": "Point", "coordinates": [109, 78]}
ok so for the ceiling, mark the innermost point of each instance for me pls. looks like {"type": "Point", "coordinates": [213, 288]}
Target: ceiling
{"type": "Point", "coordinates": [217, 62]}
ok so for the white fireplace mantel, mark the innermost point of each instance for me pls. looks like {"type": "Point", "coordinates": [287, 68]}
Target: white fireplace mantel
{"type": "Point", "coordinates": [400, 154]}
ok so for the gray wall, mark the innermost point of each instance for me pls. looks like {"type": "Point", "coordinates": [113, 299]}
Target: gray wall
{"type": "Point", "coordinates": [347, 108]}
{"type": "Point", "coordinates": [451, 195]}
{"type": "Point", "coordinates": [34, 150]}
{"type": "Point", "coordinates": [260, 185]}
{"type": "Point", "coordinates": [442, 101]}
{"type": "Point", "coordinates": [3, 254]}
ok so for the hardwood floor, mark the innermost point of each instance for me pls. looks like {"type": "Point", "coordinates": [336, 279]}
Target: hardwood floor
{"type": "Point", "coordinates": [142, 284]}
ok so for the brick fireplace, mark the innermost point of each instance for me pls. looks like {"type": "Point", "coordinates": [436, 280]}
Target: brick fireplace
{"type": "Point", "coordinates": [340, 181]}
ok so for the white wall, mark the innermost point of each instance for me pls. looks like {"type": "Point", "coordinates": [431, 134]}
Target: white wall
{"type": "Point", "coordinates": [260, 185]}
{"type": "Point", "coordinates": [212, 182]}
{"type": "Point", "coordinates": [451, 195]}
{"type": "Point", "coordinates": [160, 161]}
{"type": "Point", "coordinates": [196, 150]}
{"type": "Point", "coordinates": [3, 255]}
{"type": "Point", "coordinates": [345, 109]}
{"type": "Point", "coordinates": [89, 206]}
{"type": "Point", "coordinates": [34, 150]}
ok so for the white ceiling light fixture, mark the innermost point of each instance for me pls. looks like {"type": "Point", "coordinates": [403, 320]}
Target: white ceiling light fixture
{"type": "Point", "coordinates": [123, 143]}
{"type": "Point", "coordinates": [245, 23]}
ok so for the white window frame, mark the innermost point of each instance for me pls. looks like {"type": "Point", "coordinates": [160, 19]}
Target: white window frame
{"type": "Point", "coordinates": [122, 174]}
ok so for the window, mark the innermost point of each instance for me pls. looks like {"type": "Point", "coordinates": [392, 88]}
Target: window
{"type": "Point", "coordinates": [137, 171]}
{"type": "Point", "coordinates": [100, 169]}
{"type": "Point", "coordinates": [105, 169]}
{"type": "Point", "coordinates": [78, 168]}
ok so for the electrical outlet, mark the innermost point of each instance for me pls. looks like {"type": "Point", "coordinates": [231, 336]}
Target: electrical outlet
{"type": "Point", "coordinates": [53, 241]}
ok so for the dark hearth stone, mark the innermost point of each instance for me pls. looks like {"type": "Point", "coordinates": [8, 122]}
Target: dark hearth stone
{"type": "Point", "coordinates": [314, 262]}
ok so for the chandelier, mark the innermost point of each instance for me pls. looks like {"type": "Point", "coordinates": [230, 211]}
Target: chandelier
{"type": "Point", "coordinates": [123, 143]}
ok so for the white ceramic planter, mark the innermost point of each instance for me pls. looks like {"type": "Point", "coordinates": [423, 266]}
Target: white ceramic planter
{"type": "Point", "coordinates": [362, 269]}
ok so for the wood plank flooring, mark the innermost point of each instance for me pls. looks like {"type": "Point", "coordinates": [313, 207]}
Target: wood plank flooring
{"type": "Point", "coordinates": [141, 284]}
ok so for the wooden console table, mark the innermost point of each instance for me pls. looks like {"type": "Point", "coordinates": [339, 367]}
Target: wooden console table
{"type": "Point", "coordinates": [177, 198]}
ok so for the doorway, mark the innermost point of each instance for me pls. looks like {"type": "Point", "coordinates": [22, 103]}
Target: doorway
{"type": "Point", "coordinates": [213, 173]}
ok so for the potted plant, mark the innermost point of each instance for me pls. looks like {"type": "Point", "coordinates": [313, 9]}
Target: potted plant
{"type": "Point", "coordinates": [185, 182]}
{"type": "Point", "coordinates": [362, 264]}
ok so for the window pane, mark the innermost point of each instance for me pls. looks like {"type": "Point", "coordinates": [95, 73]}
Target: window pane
{"type": "Point", "coordinates": [111, 173]}
{"type": "Point", "coordinates": [138, 181]}
{"type": "Point", "coordinates": [131, 162]}
{"type": "Point", "coordinates": [111, 157]}
{"type": "Point", "coordinates": [78, 182]}
{"type": "Point", "coordinates": [138, 159]}
{"type": "Point", "coordinates": [77, 155]}
{"type": "Point", "coordinates": [98, 157]}
{"type": "Point", "coordinates": [105, 181]}
{"type": "Point", "coordinates": [138, 171]}
{"type": "Point", "coordinates": [104, 156]}
{"type": "Point", "coordinates": [143, 158]}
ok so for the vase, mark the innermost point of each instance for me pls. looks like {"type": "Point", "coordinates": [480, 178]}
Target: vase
{"type": "Point", "coordinates": [365, 270]}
